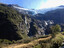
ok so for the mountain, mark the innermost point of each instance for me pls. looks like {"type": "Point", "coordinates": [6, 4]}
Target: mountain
{"type": "Point", "coordinates": [23, 10]}
{"type": "Point", "coordinates": [14, 21]}
{"type": "Point", "coordinates": [55, 14]}
{"type": "Point", "coordinates": [45, 16]}
{"type": "Point", "coordinates": [13, 25]}
{"type": "Point", "coordinates": [16, 26]}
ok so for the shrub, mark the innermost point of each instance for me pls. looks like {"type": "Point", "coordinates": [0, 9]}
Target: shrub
{"type": "Point", "coordinates": [38, 46]}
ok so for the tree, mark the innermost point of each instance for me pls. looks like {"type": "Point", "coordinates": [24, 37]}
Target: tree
{"type": "Point", "coordinates": [55, 28]}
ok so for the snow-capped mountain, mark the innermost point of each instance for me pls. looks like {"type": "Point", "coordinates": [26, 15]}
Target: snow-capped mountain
{"type": "Point", "coordinates": [32, 11]}
{"type": "Point", "coordinates": [24, 10]}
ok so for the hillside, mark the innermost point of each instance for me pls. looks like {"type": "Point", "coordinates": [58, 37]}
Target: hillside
{"type": "Point", "coordinates": [15, 26]}
{"type": "Point", "coordinates": [10, 21]}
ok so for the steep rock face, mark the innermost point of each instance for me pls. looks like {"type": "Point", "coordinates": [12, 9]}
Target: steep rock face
{"type": "Point", "coordinates": [40, 27]}
{"type": "Point", "coordinates": [25, 25]}
{"type": "Point", "coordinates": [32, 30]}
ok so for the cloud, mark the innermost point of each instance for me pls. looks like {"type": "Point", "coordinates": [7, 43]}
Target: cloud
{"type": "Point", "coordinates": [51, 3]}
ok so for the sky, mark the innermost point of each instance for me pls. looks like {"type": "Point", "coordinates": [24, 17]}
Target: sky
{"type": "Point", "coordinates": [35, 4]}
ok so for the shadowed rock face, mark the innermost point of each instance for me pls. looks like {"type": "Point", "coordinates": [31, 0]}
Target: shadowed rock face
{"type": "Point", "coordinates": [32, 30]}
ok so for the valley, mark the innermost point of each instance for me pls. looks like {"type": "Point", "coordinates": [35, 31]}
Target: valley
{"type": "Point", "coordinates": [29, 28]}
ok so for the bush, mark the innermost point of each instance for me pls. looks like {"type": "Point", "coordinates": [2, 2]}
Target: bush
{"type": "Point", "coordinates": [38, 46]}
{"type": "Point", "coordinates": [57, 41]}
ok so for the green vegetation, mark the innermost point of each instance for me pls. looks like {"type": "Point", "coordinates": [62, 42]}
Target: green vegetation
{"type": "Point", "coordinates": [55, 29]}
{"type": "Point", "coordinates": [55, 42]}
{"type": "Point", "coordinates": [38, 46]}
{"type": "Point", "coordinates": [10, 21]}
{"type": "Point", "coordinates": [13, 30]}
